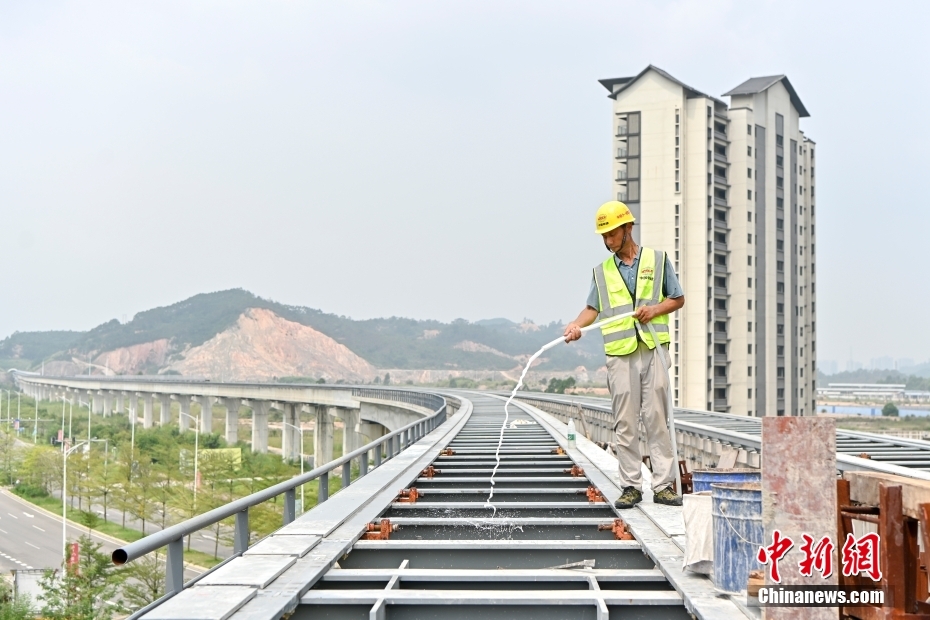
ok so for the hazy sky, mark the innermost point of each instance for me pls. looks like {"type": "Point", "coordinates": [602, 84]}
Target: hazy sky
{"type": "Point", "coordinates": [422, 159]}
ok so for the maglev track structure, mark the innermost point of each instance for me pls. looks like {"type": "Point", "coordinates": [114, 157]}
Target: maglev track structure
{"type": "Point", "coordinates": [414, 539]}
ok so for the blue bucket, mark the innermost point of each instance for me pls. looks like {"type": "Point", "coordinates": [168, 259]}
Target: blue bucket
{"type": "Point", "coordinates": [703, 478]}
{"type": "Point", "coordinates": [738, 533]}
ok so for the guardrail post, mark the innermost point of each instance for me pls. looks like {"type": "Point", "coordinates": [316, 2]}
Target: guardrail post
{"type": "Point", "coordinates": [363, 464]}
{"type": "Point", "coordinates": [346, 474]}
{"type": "Point", "coordinates": [174, 567]}
{"type": "Point", "coordinates": [378, 454]}
{"type": "Point", "coordinates": [241, 535]}
{"type": "Point", "coordinates": [324, 488]}
{"type": "Point", "coordinates": [290, 506]}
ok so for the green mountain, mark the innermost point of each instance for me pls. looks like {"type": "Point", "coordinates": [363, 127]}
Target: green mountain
{"type": "Point", "coordinates": [386, 343]}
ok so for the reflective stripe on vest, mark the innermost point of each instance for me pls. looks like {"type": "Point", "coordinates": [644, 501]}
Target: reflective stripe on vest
{"type": "Point", "coordinates": [620, 338]}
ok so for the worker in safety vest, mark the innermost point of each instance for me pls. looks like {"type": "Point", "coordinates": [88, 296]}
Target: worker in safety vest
{"type": "Point", "coordinates": [637, 279]}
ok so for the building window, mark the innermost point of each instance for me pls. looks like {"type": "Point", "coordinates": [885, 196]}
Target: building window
{"type": "Point", "coordinates": [780, 203]}
{"type": "Point", "coordinates": [720, 259]}
{"type": "Point", "coordinates": [749, 394]}
{"type": "Point", "coordinates": [779, 245]}
{"type": "Point", "coordinates": [749, 172]}
{"type": "Point", "coordinates": [780, 308]}
{"type": "Point", "coordinates": [720, 348]}
{"type": "Point", "coordinates": [749, 282]}
{"type": "Point", "coordinates": [749, 194]}
{"type": "Point", "coordinates": [779, 161]}
{"type": "Point", "coordinates": [749, 238]}
{"type": "Point", "coordinates": [720, 326]}
{"type": "Point", "coordinates": [779, 140]}
{"type": "Point", "coordinates": [720, 393]}
{"type": "Point", "coordinates": [780, 266]}
{"type": "Point", "coordinates": [780, 350]}
{"type": "Point", "coordinates": [720, 281]}
{"type": "Point", "coordinates": [749, 129]}
{"type": "Point", "coordinates": [720, 304]}
{"type": "Point", "coordinates": [720, 171]}
{"type": "Point", "coordinates": [720, 371]}
{"type": "Point", "coordinates": [780, 182]}
{"type": "Point", "coordinates": [720, 193]}
{"type": "Point", "coordinates": [749, 329]}
{"type": "Point", "coordinates": [720, 149]}
{"type": "Point", "coordinates": [720, 216]}
{"type": "Point", "coordinates": [779, 224]}
{"type": "Point", "coordinates": [780, 371]}
{"type": "Point", "coordinates": [749, 151]}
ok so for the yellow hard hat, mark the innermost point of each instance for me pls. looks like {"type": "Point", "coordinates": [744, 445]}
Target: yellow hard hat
{"type": "Point", "coordinates": [611, 215]}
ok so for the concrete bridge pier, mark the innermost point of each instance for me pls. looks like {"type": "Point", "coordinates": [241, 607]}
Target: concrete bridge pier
{"type": "Point", "coordinates": [147, 413]}
{"type": "Point", "coordinates": [107, 403]}
{"type": "Point", "coordinates": [184, 406]}
{"type": "Point", "coordinates": [120, 401]}
{"type": "Point", "coordinates": [165, 401]}
{"type": "Point", "coordinates": [206, 413]}
{"type": "Point", "coordinates": [369, 431]}
{"type": "Point", "coordinates": [350, 435]}
{"type": "Point", "coordinates": [96, 401]}
{"type": "Point", "coordinates": [232, 419]}
{"type": "Point", "coordinates": [323, 435]}
{"type": "Point", "coordinates": [290, 436]}
{"type": "Point", "coordinates": [259, 425]}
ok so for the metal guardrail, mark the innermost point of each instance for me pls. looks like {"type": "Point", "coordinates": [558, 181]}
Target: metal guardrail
{"type": "Point", "coordinates": [390, 444]}
{"type": "Point", "coordinates": [744, 433]}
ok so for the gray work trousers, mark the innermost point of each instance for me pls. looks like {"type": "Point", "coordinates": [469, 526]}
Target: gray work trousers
{"type": "Point", "coordinates": [638, 388]}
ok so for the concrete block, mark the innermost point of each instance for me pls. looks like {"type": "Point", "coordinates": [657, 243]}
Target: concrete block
{"type": "Point", "coordinates": [799, 497]}
{"type": "Point", "coordinates": [252, 570]}
{"type": "Point", "coordinates": [297, 545]}
{"type": "Point", "coordinates": [203, 603]}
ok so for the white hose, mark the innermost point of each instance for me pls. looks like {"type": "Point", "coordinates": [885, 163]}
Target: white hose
{"type": "Point", "coordinates": [545, 347]}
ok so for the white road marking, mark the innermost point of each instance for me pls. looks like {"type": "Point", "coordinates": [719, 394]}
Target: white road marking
{"type": "Point", "coordinates": [38, 528]}
{"type": "Point", "coordinates": [3, 531]}
{"type": "Point", "coordinates": [30, 544]}
{"type": "Point", "coordinates": [28, 515]}
{"type": "Point", "coordinates": [12, 515]}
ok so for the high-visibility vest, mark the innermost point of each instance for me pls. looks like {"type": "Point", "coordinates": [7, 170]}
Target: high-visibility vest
{"type": "Point", "coordinates": [620, 338]}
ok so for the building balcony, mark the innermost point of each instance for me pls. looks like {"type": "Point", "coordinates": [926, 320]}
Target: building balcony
{"type": "Point", "coordinates": [720, 202]}
{"type": "Point", "coordinates": [621, 175]}
{"type": "Point", "coordinates": [721, 406]}
{"type": "Point", "coordinates": [720, 247]}
{"type": "Point", "coordinates": [720, 158]}
{"type": "Point", "coordinates": [720, 225]}
{"type": "Point", "coordinates": [721, 136]}
{"type": "Point", "coordinates": [720, 270]}
{"type": "Point", "coordinates": [720, 381]}
{"type": "Point", "coordinates": [720, 337]}
{"type": "Point", "coordinates": [720, 292]}
{"type": "Point", "coordinates": [622, 153]}
{"type": "Point", "coordinates": [720, 314]}
{"type": "Point", "coordinates": [622, 130]}
{"type": "Point", "coordinates": [720, 359]}
{"type": "Point", "coordinates": [622, 196]}
{"type": "Point", "coordinates": [721, 181]}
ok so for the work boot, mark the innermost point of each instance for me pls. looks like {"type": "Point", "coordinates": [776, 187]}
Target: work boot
{"type": "Point", "coordinates": [630, 497]}
{"type": "Point", "coordinates": [666, 496]}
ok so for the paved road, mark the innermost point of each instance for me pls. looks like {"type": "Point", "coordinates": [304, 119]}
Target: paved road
{"type": "Point", "coordinates": [29, 538]}
{"type": "Point", "coordinates": [32, 539]}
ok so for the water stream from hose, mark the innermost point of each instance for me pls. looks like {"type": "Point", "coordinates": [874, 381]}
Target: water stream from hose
{"type": "Point", "coordinates": [545, 347]}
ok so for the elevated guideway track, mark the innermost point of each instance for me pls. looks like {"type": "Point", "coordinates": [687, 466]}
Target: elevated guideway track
{"type": "Point", "coordinates": [553, 549]}
{"type": "Point", "coordinates": [708, 432]}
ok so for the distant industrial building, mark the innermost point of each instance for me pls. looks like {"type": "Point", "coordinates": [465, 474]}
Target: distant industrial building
{"type": "Point", "coordinates": [742, 244]}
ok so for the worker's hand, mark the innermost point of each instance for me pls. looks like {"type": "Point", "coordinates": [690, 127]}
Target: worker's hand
{"type": "Point", "coordinates": [572, 332]}
{"type": "Point", "coordinates": [644, 314]}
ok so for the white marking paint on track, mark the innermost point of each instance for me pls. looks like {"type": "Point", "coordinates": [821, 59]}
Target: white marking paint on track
{"type": "Point", "coordinates": [12, 515]}
{"type": "Point", "coordinates": [38, 528]}
{"type": "Point", "coordinates": [31, 545]}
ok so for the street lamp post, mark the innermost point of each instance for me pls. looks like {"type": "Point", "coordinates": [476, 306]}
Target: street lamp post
{"type": "Point", "coordinates": [196, 450]}
{"type": "Point", "coordinates": [301, 431]}
{"type": "Point", "coordinates": [64, 490]}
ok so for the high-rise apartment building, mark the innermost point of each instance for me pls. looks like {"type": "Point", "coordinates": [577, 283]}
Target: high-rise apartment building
{"type": "Point", "coordinates": [728, 192]}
